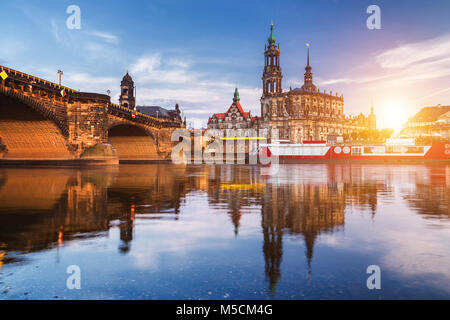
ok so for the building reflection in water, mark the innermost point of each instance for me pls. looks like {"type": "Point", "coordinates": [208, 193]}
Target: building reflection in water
{"type": "Point", "coordinates": [42, 208]}
{"type": "Point", "coordinates": [431, 196]}
{"type": "Point", "coordinates": [308, 207]}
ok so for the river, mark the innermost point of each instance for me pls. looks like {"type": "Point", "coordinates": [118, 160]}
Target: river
{"type": "Point", "coordinates": [225, 232]}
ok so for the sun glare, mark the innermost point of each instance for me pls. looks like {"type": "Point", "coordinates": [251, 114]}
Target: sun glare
{"type": "Point", "coordinates": [393, 115]}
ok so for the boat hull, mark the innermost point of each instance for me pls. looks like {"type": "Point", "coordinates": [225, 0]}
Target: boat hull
{"type": "Point", "coordinates": [353, 160]}
{"type": "Point", "coordinates": [321, 153]}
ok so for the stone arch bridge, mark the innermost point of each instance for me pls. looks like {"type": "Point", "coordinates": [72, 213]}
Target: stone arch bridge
{"type": "Point", "coordinates": [41, 120]}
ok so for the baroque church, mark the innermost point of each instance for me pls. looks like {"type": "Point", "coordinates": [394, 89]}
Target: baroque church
{"type": "Point", "coordinates": [297, 115]}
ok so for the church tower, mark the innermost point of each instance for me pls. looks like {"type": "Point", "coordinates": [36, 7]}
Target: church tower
{"type": "Point", "coordinates": [372, 119]}
{"type": "Point", "coordinates": [271, 100]}
{"type": "Point", "coordinates": [127, 98]}
{"type": "Point", "coordinates": [272, 72]}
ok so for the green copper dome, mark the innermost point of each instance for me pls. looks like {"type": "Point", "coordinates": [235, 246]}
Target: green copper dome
{"type": "Point", "coordinates": [272, 38]}
{"type": "Point", "coordinates": [236, 95]}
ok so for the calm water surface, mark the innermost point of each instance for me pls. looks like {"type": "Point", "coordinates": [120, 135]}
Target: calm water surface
{"type": "Point", "coordinates": [225, 232]}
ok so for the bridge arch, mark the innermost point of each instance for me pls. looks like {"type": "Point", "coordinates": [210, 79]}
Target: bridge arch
{"type": "Point", "coordinates": [36, 105]}
{"type": "Point", "coordinates": [29, 129]}
{"type": "Point", "coordinates": [133, 142]}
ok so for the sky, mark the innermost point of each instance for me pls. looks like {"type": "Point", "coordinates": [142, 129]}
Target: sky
{"type": "Point", "coordinates": [196, 52]}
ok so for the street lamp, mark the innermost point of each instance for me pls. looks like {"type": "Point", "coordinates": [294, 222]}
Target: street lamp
{"type": "Point", "coordinates": [60, 74]}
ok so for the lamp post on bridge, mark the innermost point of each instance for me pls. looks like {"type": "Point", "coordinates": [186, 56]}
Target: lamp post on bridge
{"type": "Point", "coordinates": [135, 99]}
{"type": "Point", "coordinates": [60, 74]}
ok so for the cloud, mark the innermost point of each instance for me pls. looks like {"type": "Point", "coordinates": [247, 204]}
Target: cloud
{"type": "Point", "coordinates": [181, 63]}
{"type": "Point", "coordinates": [97, 51]}
{"type": "Point", "coordinates": [353, 81]}
{"type": "Point", "coordinates": [54, 30]}
{"type": "Point", "coordinates": [151, 68]}
{"type": "Point", "coordinates": [433, 94]}
{"type": "Point", "coordinates": [436, 49]}
{"type": "Point", "coordinates": [406, 63]}
{"type": "Point", "coordinates": [105, 36]}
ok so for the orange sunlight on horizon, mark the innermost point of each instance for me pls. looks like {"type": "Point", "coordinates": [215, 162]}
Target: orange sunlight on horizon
{"type": "Point", "coordinates": [393, 114]}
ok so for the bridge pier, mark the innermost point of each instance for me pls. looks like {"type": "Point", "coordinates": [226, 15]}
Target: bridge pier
{"type": "Point", "coordinates": [86, 123]}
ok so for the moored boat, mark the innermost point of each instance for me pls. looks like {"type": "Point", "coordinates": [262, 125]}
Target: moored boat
{"type": "Point", "coordinates": [394, 150]}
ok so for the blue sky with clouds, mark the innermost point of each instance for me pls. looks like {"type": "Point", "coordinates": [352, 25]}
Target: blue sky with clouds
{"type": "Point", "coordinates": [196, 52]}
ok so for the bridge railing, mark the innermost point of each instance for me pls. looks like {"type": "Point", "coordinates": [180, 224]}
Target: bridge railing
{"type": "Point", "coordinates": [143, 115]}
{"type": "Point", "coordinates": [10, 72]}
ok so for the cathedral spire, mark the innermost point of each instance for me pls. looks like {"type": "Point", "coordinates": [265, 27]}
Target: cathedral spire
{"type": "Point", "coordinates": [308, 83]}
{"type": "Point", "coordinates": [272, 38]}
{"type": "Point", "coordinates": [308, 67]}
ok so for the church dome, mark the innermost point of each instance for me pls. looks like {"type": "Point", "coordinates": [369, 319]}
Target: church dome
{"type": "Point", "coordinates": [127, 80]}
{"type": "Point", "coordinates": [309, 87]}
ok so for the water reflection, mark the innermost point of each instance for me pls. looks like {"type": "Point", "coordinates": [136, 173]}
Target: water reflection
{"type": "Point", "coordinates": [44, 208]}
{"type": "Point", "coordinates": [39, 208]}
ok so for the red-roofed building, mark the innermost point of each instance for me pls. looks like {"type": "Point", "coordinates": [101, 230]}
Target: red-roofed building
{"type": "Point", "coordinates": [234, 118]}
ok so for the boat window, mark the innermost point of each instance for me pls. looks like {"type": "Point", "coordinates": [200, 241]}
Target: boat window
{"type": "Point", "coordinates": [399, 149]}
{"type": "Point", "coordinates": [356, 150]}
{"type": "Point", "coordinates": [415, 149]}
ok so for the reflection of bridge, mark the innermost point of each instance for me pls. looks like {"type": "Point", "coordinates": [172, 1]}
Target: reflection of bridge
{"type": "Point", "coordinates": [41, 120]}
{"type": "Point", "coordinates": [36, 204]}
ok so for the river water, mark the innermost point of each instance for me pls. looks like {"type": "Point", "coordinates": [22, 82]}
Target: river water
{"type": "Point", "coordinates": [225, 232]}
